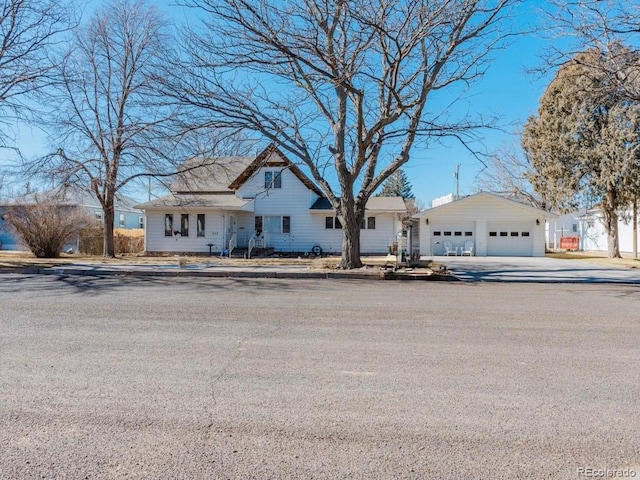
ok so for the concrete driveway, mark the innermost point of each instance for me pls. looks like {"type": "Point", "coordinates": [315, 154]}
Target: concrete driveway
{"type": "Point", "coordinates": [536, 269]}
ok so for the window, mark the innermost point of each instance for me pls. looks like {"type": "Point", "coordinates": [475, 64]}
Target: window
{"type": "Point", "coordinates": [332, 222]}
{"type": "Point", "coordinates": [168, 224]}
{"type": "Point", "coordinates": [184, 225]}
{"type": "Point", "coordinates": [371, 223]}
{"type": "Point", "coordinates": [140, 221]}
{"type": "Point", "coordinates": [272, 179]}
{"type": "Point", "coordinates": [493, 234]}
{"type": "Point", "coordinates": [272, 224]}
{"type": "Point", "coordinates": [97, 216]}
{"type": "Point", "coordinates": [525, 234]}
{"type": "Point", "coordinates": [468, 234]}
{"type": "Point", "coordinates": [447, 234]}
{"type": "Point", "coordinates": [574, 228]}
{"type": "Point", "coordinates": [200, 225]}
{"type": "Point", "coordinates": [503, 234]}
{"type": "Point", "coordinates": [457, 234]}
{"type": "Point", "coordinates": [514, 234]}
{"type": "Point", "coordinates": [121, 220]}
{"type": "Point", "coordinates": [436, 234]}
{"type": "Point", "coordinates": [328, 222]}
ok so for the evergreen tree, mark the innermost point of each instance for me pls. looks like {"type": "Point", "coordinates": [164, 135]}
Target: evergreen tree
{"type": "Point", "coordinates": [397, 185]}
{"type": "Point", "coordinates": [585, 138]}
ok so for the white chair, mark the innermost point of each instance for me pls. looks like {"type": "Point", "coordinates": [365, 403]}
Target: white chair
{"type": "Point", "coordinates": [448, 249]}
{"type": "Point", "coordinates": [468, 248]}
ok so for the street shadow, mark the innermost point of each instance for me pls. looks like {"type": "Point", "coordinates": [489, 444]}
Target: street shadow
{"type": "Point", "coordinates": [54, 284]}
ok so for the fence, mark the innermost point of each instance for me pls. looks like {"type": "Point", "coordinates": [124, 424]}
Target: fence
{"type": "Point", "coordinates": [126, 241]}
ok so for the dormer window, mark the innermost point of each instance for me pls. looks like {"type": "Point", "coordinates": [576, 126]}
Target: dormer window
{"type": "Point", "coordinates": [272, 179]}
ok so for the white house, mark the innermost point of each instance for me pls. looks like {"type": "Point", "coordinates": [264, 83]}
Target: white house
{"type": "Point", "coordinates": [588, 227]}
{"type": "Point", "coordinates": [263, 202]}
{"type": "Point", "coordinates": [483, 224]}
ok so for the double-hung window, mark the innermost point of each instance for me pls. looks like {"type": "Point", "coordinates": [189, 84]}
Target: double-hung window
{"type": "Point", "coordinates": [200, 225]}
{"type": "Point", "coordinates": [168, 224]}
{"type": "Point", "coordinates": [272, 179]}
{"type": "Point", "coordinates": [184, 225]}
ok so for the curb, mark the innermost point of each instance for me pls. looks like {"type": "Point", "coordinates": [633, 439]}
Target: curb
{"type": "Point", "coordinates": [334, 275]}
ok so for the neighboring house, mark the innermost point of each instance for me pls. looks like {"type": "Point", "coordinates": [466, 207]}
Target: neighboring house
{"type": "Point", "coordinates": [265, 202]}
{"type": "Point", "coordinates": [126, 216]}
{"type": "Point", "coordinates": [491, 225]}
{"type": "Point", "coordinates": [588, 227]}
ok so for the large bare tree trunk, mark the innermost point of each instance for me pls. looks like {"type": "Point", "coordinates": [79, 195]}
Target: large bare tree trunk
{"type": "Point", "coordinates": [351, 220]}
{"type": "Point", "coordinates": [109, 249]}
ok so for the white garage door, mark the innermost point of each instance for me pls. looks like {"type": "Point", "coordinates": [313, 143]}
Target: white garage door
{"type": "Point", "coordinates": [510, 239]}
{"type": "Point", "coordinates": [457, 234]}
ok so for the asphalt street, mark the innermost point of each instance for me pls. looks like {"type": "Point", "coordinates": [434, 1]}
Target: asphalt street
{"type": "Point", "coordinates": [125, 377]}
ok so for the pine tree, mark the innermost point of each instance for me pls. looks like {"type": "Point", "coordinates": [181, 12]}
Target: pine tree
{"type": "Point", "coordinates": [397, 185]}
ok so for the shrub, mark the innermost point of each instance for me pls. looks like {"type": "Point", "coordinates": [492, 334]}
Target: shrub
{"type": "Point", "coordinates": [45, 226]}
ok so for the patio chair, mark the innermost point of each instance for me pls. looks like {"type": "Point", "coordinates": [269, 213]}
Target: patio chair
{"type": "Point", "coordinates": [468, 248]}
{"type": "Point", "coordinates": [448, 249]}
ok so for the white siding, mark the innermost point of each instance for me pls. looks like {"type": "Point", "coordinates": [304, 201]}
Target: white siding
{"type": "Point", "coordinates": [293, 199]}
{"type": "Point", "coordinates": [157, 242]}
{"type": "Point", "coordinates": [476, 213]}
{"type": "Point", "coordinates": [372, 241]}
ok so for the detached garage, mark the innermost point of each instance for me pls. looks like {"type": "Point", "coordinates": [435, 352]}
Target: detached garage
{"type": "Point", "coordinates": [485, 225]}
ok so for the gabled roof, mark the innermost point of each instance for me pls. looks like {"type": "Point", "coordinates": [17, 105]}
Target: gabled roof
{"type": "Point", "coordinates": [491, 196]}
{"type": "Point", "coordinates": [265, 159]}
{"type": "Point", "coordinates": [227, 174]}
{"type": "Point", "coordinates": [209, 175]}
{"type": "Point", "coordinates": [375, 204]}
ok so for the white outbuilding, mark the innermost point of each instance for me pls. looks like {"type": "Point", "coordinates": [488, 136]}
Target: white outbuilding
{"type": "Point", "coordinates": [483, 224]}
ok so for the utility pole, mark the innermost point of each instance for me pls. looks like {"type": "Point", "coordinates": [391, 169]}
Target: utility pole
{"type": "Point", "coordinates": [456, 175]}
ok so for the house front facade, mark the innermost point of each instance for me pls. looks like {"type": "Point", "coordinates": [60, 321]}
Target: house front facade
{"type": "Point", "coordinates": [266, 202]}
{"type": "Point", "coordinates": [483, 224]}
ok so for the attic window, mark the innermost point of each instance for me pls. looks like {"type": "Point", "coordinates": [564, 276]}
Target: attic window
{"type": "Point", "coordinates": [272, 179]}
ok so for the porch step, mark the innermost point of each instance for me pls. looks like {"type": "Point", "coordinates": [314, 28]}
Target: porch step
{"type": "Point", "coordinates": [239, 252]}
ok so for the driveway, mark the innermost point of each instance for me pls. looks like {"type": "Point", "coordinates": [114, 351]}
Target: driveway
{"type": "Point", "coordinates": [536, 269]}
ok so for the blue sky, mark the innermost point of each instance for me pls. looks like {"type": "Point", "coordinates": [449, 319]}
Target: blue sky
{"type": "Point", "coordinates": [506, 90]}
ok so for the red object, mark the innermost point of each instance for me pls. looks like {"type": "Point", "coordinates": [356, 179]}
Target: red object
{"type": "Point", "coordinates": [569, 243]}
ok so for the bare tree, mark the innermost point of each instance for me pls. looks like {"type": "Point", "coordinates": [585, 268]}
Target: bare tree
{"type": "Point", "coordinates": [45, 225]}
{"type": "Point", "coordinates": [506, 174]}
{"type": "Point", "coordinates": [111, 125]}
{"type": "Point", "coordinates": [29, 31]}
{"type": "Point", "coordinates": [343, 87]}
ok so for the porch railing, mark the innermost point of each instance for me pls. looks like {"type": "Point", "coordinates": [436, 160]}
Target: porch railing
{"type": "Point", "coordinates": [256, 241]}
{"type": "Point", "coordinates": [233, 242]}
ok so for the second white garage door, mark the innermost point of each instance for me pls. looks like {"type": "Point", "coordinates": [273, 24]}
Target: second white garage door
{"type": "Point", "coordinates": [510, 239]}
